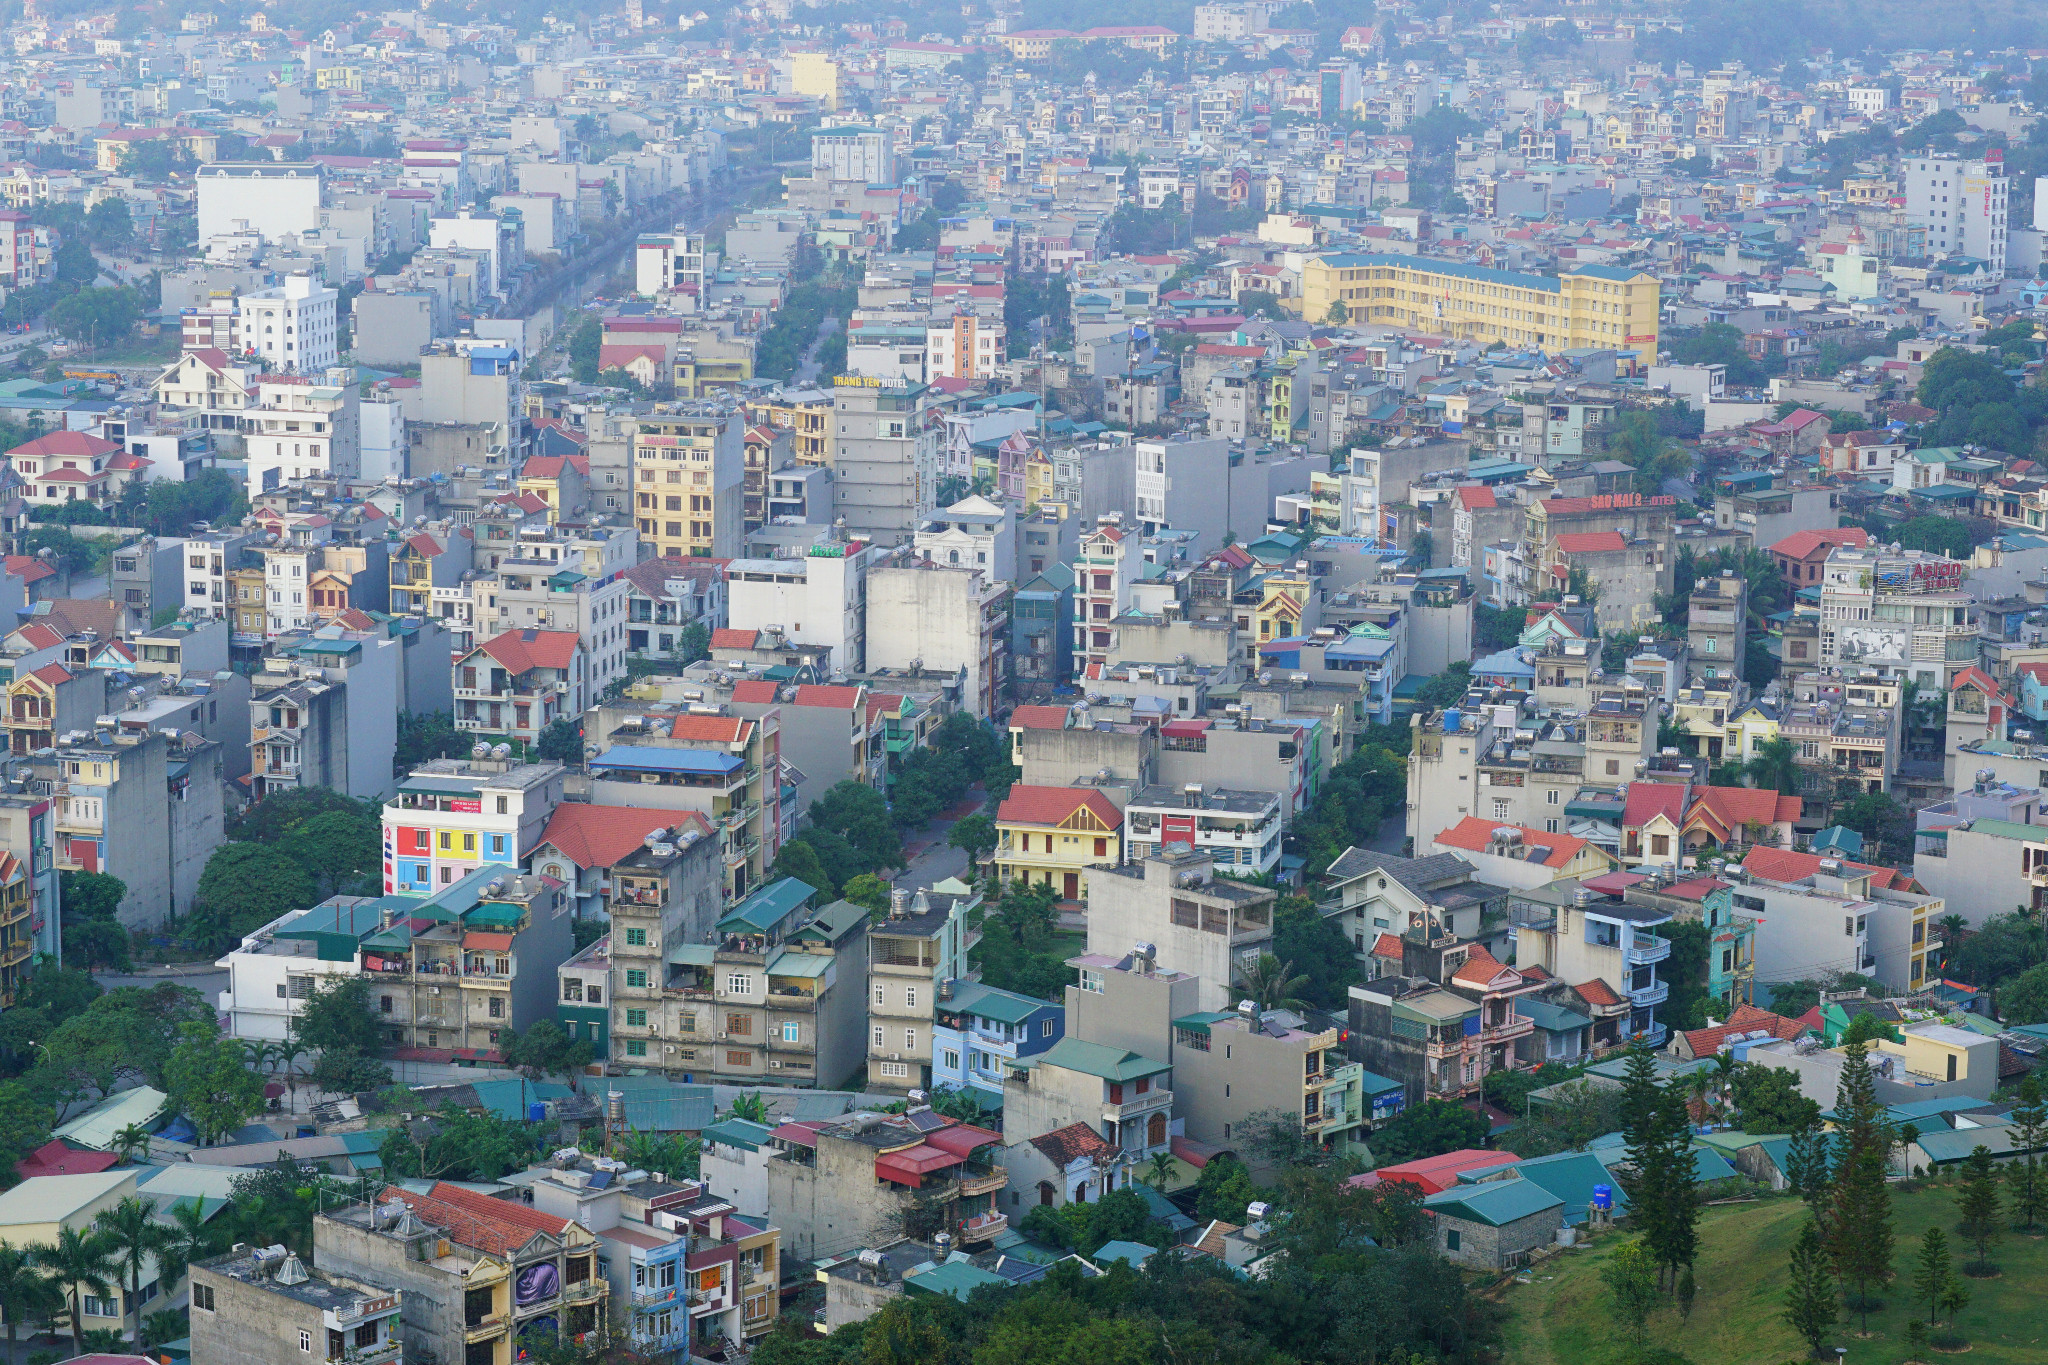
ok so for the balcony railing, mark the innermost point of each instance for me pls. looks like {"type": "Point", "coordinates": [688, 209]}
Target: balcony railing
{"type": "Point", "coordinates": [978, 1179]}
{"type": "Point", "coordinates": [1646, 949]}
{"type": "Point", "coordinates": [983, 1227]}
{"type": "Point", "coordinates": [475, 1328]}
{"type": "Point", "coordinates": [584, 1290]}
{"type": "Point", "coordinates": [1654, 994]}
{"type": "Point", "coordinates": [654, 1293]}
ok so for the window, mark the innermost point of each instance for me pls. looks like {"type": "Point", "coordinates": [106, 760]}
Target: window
{"type": "Point", "coordinates": [910, 1039]}
{"type": "Point", "coordinates": [880, 1041]}
{"type": "Point", "coordinates": [878, 996]}
{"type": "Point", "coordinates": [636, 938]}
{"type": "Point", "coordinates": [739, 1025]}
{"type": "Point", "coordinates": [1045, 1028]}
{"type": "Point", "coordinates": [736, 1057]}
{"type": "Point", "coordinates": [950, 1060]}
{"type": "Point", "coordinates": [1450, 1239]}
{"type": "Point", "coordinates": [636, 978]}
{"type": "Point", "coordinates": [910, 997]}
{"type": "Point", "coordinates": [792, 1032]}
{"type": "Point", "coordinates": [636, 1018]}
{"type": "Point", "coordinates": [636, 1048]}
{"type": "Point", "coordinates": [739, 983]}
{"type": "Point", "coordinates": [1660, 845]}
{"type": "Point", "coordinates": [202, 1297]}
{"type": "Point", "coordinates": [593, 994]}
{"type": "Point", "coordinates": [497, 1007]}
{"type": "Point", "coordinates": [305, 1337]}
{"type": "Point", "coordinates": [383, 1004]}
{"type": "Point", "coordinates": [572, 989]}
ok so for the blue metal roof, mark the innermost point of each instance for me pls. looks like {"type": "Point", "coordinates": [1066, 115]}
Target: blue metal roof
{"type": "Point", "coordinates": [640, 758]}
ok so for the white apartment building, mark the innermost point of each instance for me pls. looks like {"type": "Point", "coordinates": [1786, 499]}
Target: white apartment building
{"type": "Point", "coordinates": [1105, 568]}
{"type": "Point", "coordinates": [1819, 915]}
{"type": "Point", "coordinates": [1960, 203]}
{"type": "Point", "coordinates": [963, 347]}
{"type": "Point", "coordinates": [272, 199]}
{"type": "Point", "coordinates": [1869, 100]}
{"type": "Point", "coordinates": [942, 623]}
{"type": "Point", "coordinates": [863, 154]}
{"type": "Point", "coordinates": [667, 261]}
{"type": "Point", "coordinates": [819, 600]}
{"type": "Point", "coordinates": [1905, 612]}
{"type": "Point", "coordinates": [298, 430]}
{"type": "Point", "coordinates": [295, 327]}
{"type": "Point", "coordinates": [1238, 830]}
{"type": "Point", "coordinates": [973, 533]}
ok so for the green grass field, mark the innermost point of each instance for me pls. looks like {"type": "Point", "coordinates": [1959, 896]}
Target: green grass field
{"type": "Point", "coordinates": [1562, 1318]}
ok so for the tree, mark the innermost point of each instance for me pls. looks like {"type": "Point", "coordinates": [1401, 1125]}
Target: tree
{"type": "Point", "coordinates": [546, 1049]}
{"type": "Point", "coordinates": [211, 1084]}
{"type": "Point", "coordinates": [91, 895]}
{"type": "Point", "coordinates": [2026, 1175]}
{"type": "Point", "coordinates": [1630, 1275]}
{"type": "Point", "coordinates": [25, 1291]}
{"type": "Point", "coordinates": [425, 736]}
{"type": "Point", "coordinates": [244, 887]}
{"type": "Point", "coordinates": [1302, 934]}
{"type": "Point", "coordinates": [1224, 1189]}
{"type": "Point", "coordinates": [1886, 826]}
{"type": "Point", "coordinates": [1271, 984]}
{"type": "Point", "coordinates": [869, 892]}
{"type": "Point", "coordinates": [187, 1237]}
{"type": "Point", "coordinates": [99, 945]}
{"type": "Point", "coordinates": [750, 1106]}
{"type": "Point", "coordinates": [1982, 1219]}
{"type": "Point", "coordinates": [2024, 998]}
{"type": "Point", "coordinates": [1774, 765]}
{"type": "Point", "coordinates": [345, 1071]}
{"type": "Point", "coordinates": [1810, 1303]}
{"type": "Point", "coordinates": [1428, 1129]}
{"type": "Point", "coordinates": [131, 1142]}
{"type": "Point", "coordinates": [1860, 1215]}
{"type": "Point", "coordinates": [457, 1144]}
{"type": "Point", "coordinates": [339, 1015]}
{"type": "Point", "coordinates": [133, 1235]}
{"type": "Point", "coordinates": [97, 317]}
{"type": "Point", "coordinates": [1809, 1170]}
{"type": "Point", "coordinates": [79, 1261]}
{"type": "Point", "coordinates": [561, 742]}
{"type": "Point", "coordinates": [975, 835]}
{"type": "Point", "coordinates": [1932, 1271]}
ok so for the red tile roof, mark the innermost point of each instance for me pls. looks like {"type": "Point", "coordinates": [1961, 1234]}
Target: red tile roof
{"type": "Point", "coordinates": [1591, 542]}
{"type": "Point", "coordinates": [55, 1157]}
{"type": "Point", "coordinates": [1039, 718]}
{"type": "Point", "coordinates": [1597, 992]}
{"type": "Point", "coordinates": [832, 696]}
{"type": "Point", "coordinates": [1387, 945]}
{"type": "Point", "coordinates": [1648, 800]}
{"type": "Point", "coordinates": [1481, 969]}
{"type": "Point", "coordinates": [728, 638]}
{"type": "Point", "coordinates": [486, 1230]}
{"type": "Point", "coordinates": [1788, 865]}
{"type": "Point", "coordinates": [1065, 1145]}
{"type": "Point", "coordinates": [1704, 1042]}
{"type": "Point", "coordinates": [1471, 834]}
{"type": "Point", "coordinates": [1802, 544]}
{"type": "Point", "coordinates": [1727, 809]}
{"type": "Point", "coordinates": [1473, 496]}
{"type": "Point", "coordinates": [520, 650]}
{"type": "Point", "coordinates": [716, 729]}
{"type": "Point", "coordinates": [1051, 805]}
{"type": "Point", "coordinates": [754, 692]}
{"type": "Point", "coordinates": [598, 836]}
{"type": "Point", "coordinates": [66, 443]}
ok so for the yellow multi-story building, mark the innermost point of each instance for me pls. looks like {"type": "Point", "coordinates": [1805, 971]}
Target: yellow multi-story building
{"type": "Point", "coordinates": [689, 476]}
{"type": "Point", "coordinates": [1603, 306]}
{"type": "Point", "coordinates": [808, 413]}
{"type": "Point", "coordinates": [1052, 836]}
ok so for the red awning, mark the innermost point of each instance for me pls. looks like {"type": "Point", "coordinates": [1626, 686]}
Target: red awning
{"type": "Point", "coordinates": [797, 1133]}
{"type": "Point", "coordinates": [1185, 729]}
{"type": "Point", "coordinates": [961, 1138]}
{"type": "Point", "coordinates": [910, 1165]}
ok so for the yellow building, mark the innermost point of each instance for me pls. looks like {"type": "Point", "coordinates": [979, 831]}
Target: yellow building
{"type": "Point", "coordinates": [1038, 484]}
{"type": "Point", "coordinates": [688, 476]}
{"type": "Point", "coordinates": [1278, 615]}
{"type": "Point", "coordinates": [1053, 835]}
{"type": "Point", "coordinates": [808, 413]}
{"type": "Point", "coordinates": [33, 1213]}
{"type": "Point", "coordinates": [1598, 306]}
{"type": "Point", "coordinates": [339, 78]}
{"type": "Point", "coordinates": [817, 75]}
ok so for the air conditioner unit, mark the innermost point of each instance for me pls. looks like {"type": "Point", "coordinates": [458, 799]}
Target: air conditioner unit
{"type": "Point", "coordinates": [433, 990]}
{"type": "Point", "coordinates": [895, 1056]}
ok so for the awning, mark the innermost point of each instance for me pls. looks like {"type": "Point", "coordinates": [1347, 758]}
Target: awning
{"type": "Point", "coordinates": [961, 1139]}
{"type": "Point", "coordinates": [487, 943]}
{"type": "Point", "coordinates": [910, 1165]}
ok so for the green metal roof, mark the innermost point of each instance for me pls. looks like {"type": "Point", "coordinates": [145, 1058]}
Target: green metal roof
{"type": "Point", "coordinates": [791, 963]}
{"type": "Point", "coordinates": [992, 1002]}
{"type": "Point", "coordinates": [693, 955]}
{"type": "Point", "coordinates": [741, 1133]}
{"type": "Point", "coordinates": [1094, 1059]}
{"type": "Point", "coordinates": [768, 907]}
{"type": "Point", "coordinates": [1495, 1203]}
{"type": "Point", "coordinates": [957, 1279]}
{"type": "Point", "coordinates": [1199, 1023]}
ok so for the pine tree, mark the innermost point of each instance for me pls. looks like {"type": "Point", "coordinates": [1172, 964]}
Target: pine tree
{"type": "Point", "coordinates": [1955, 1297]}
{"type": "Point", "coordinates": [1808, 1171]}
{"type": "Point", "coordinates": [1977, 1202]}
{"type": "Point", "coordinates": [2027, 1177]}
{"type": "Point", "coordinates": [1671, 1182]}
{"type": "Point", "coordinates": [1860, 1221]}
{"type": "Point", "coordinates": [1810, 1303]}
{"type": "Point", "coordinates": [1932, 1271]}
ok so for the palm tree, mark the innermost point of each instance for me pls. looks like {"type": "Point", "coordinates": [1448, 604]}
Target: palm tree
{"type": "Point", "coordinates": [133, 1234]}
{"type": "Point", "coordinates": [79, 1261]}
{"type": "Point", "coordinates": [1162, 1171]}
{"type": "Point", "coordinates": [132, 1142]}
{"type": "Point", "coordinates": [24, 1290]}
{"type": "Point", "coordinates": [187, 1239]}
{"type": "Point", "coordinates": [1271, 984]}
{"type": "Point", "coordinates": [1775, 765]}
{"type": "Point", "coordinates": [1952, 926]}
{"type": "Point", "coordinates": [286, 1054]}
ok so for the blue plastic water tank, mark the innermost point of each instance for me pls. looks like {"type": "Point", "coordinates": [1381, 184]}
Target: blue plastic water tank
{"type": "Point", "coordinates": [1452, 719]}
{"type": "Point", "coordinates": [536, 1112]}
{"type": "Point", "coordinates": [1603, 1196]}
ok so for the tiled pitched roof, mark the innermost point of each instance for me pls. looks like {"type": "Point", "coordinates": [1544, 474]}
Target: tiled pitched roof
{"type": "Point", "coordinates": [729, 638]}
{"type": "Point", "coordinates": [1802, 544]}
{"type": "Point", "coordinates": [1591, 542]}
{"type": "Point", "coordinates": [716, 729]}
{"type": "Point", "coordinates": [598, 836]}
{"type": "Point", "coordinates": [1039, 718]}
{"type": "Point", "coordinates": [1051, 805]}
{"type": "Point", "coordinates": [833, 697]}
{"type": "Point", "coordinates": [1597, 992]}
{"type": "Point", "coordinates": [1648, 800]}
{"type": "Point", "coordinates": [1727, 809]}
{"type": "Point", "coordinates": [754, 692]}
{"type": "Point", "coordinates": [1076, 1140]}
{"type": "Point", "coordinates": [1471, 833]}
{"type": "Point", "coordinates": [500, 1228]}
{"type": "Point", "coordinates": [1789, 865]}
{"type": "Point", "coordinates": [520, 650]}
{"type": "Point", "coordinates": [1704, 1042]}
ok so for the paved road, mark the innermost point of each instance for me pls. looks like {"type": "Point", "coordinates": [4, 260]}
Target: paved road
{"type": "Point", "coordinates": [932, 859]}
{"type": "Point", "coordinates": [807, 368]}
{"type": "Point", "coordinates": [210, 983]}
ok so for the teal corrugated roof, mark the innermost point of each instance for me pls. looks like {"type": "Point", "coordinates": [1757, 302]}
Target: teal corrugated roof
{"type": "Point", "coordinates": [1110, 1063]}
{"type": "Point", "coordinates": [992, 1002]}
{"type": "Point", "coordinates": [744, 1133]}
{"type": "Point", "coordinates": [1570, 1176]}
{"type": "Point", "coordinates": [767, 907]}
{"type": "Point", "coordinates": [1133, 1254]}
{"type": "Point", "coordinates": [1494, 1202]}
{"type": "Point", "coordinates": [508, 1098]}
{"type": "Point", "coordinates": [957, 1279]}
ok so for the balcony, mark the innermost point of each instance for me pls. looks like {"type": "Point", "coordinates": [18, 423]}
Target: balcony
{"type": "Point", "coordinates": [1654, 994]}
{"type": "Point", "coordinates": [1645, 950]}
{"type": "Point", "coordinates": [476, 1329]}
{"type": "Point", "coordinates": [583, 1291]}
{"type": "Point", "coordinates": [645, 1294]}
{"type": "Point", "coordinates": [976, 1178]}
{"type": "Point", "coordinates": [1510, 1027]}
{"type": "Point", "coordinates": [984, 1227]}
{"type": "Point", "coordinates": [781, 999]}
{"type": "Point", "coordinates": [376, 1355]}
